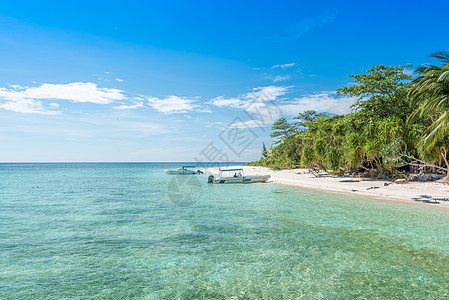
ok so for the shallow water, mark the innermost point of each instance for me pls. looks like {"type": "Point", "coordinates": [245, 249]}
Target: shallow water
{"type": "Point", "coordinates": [128, 230]}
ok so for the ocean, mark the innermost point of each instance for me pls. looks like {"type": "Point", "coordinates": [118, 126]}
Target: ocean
{"type": "Point", "coordinates": [127, 230]}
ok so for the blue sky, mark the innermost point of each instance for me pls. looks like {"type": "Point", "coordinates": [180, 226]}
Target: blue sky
{"type": "Point", "coordinates": [188, 80]}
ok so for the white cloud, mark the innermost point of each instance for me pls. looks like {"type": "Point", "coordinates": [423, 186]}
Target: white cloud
{"type": "Point", "coordinates": [322, 102]}
{"type": "Point", "coordinates": [217, 124]}
{"type": "Point", "coordinates": [279, 78]}
{"type": "Point", "coordinates": [26, 106]}
{"type": "Point", "coordinates": [137, 102]}
{"type": "Point", "coordinates": [171, 104]}
{"type": "Point", "coordinates": [27, 99]}
{"type": "Point", "coordinates": [16, 86]}
{"type": "Point", "coordinates": [87, 92]}
{"type": "Point", "coordinates": [229, 102]}
{"type": "Point", "coordinates": [259, 94]}
{"type": "Point", "coordinates": [118, 79]}
{"type": "Point", "coordinates": [284, 66]}
{"type": "Point", "coordinates": [204, 110]}
{"type": "Point", "coordinates": [267, 93]}
{"type": "Point", "coordinates": [133, 106]}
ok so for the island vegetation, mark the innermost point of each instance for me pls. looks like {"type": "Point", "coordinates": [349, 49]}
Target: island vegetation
{"type": "Point", "coordinates": [398, 127]}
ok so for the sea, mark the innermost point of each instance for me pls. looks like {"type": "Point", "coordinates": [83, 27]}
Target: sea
{"type": "Point", "coordinates": [127, 230]}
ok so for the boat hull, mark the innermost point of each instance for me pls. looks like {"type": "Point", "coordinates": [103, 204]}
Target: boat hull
{"type": "Point", "coordinates": [183, 172]}
{"type": "Point", "coordinates": [244, 179]}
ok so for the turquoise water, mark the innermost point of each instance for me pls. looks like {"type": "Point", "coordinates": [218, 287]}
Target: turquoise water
{"type": "Point", "coordinates": [129, 231]}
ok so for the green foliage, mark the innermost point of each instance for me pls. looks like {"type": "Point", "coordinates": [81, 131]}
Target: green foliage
{"type": "Point", "coordinates": [308, 156]}
{"type": "Point", "coordinates": [399, 175]}
{"type": "Point", "coordinates": [381, 130]}
{"type": "Point", "coordinates": [308, 117]}
{"type": "Point", "coordinates": [382, 92]}
{"type": "Point", "coordinates": [282, 130]}
{"type": "Point", "coordinates": [264, 151]}
{"type": "Point", "coordinates": [431, 93]}
{"type": "Point", "coordinates": [333, 157]}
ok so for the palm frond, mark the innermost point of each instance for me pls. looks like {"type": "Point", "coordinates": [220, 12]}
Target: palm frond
{"type": "Point", "coordinates": [436, 131]}
{"type": "Point", "coordinates": [442, 55]}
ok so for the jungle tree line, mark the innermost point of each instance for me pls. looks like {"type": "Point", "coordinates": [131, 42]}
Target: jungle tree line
{"type": "Point", "coordinates": [400, 122]}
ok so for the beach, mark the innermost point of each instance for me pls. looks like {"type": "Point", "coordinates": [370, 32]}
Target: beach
{"type": "Point", "coordinates": [430, 193]}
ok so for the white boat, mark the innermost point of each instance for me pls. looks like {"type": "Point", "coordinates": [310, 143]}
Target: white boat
{"type": "Point", "coordinates": [183, 171]}
{"type": "Point", "coordinates": [238, 177]}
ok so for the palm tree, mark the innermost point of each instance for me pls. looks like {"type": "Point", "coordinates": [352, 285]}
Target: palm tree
{"type": "Point", "coordinates": [431, 93]}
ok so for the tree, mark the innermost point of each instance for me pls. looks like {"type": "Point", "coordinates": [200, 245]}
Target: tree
{"type": "Point", "coordinates": [382, 92]}
{"type": "Point", "coordinates": [264, 151]}
{"type": "Point", "coordinates": [308, 117]}
{"type": "Point", "coordinates": [432, 95]}
{"type": "Point", "coordinates": [376, 137]}
{"type": "Point", "coordinates": [283, 131]}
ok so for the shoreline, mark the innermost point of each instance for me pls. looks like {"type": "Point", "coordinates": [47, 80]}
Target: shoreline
{"type": "Point", "coordinates": [431, 194]}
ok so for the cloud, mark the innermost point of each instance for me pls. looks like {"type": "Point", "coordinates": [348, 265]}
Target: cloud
{"type": "Point", "coordinates": [279, 78]}
{"type": "Point", "coordinates": [27, 106]}
{"type": "Point", "coordinates": [86, 92]}
{"type": "Point", "coordinates": [171, 104]}
{"type": "Point", "coordinates": [267, 93]}
{"type": "Point", "coordinates": [118, 79]}
{"type": "Point", "coordinates": [28, 99]}
{"type": "Point", "coordinates": [304, 26]}
{"type": "Point", "coordinates": [328, 102]}
{"type": "Point", "coordinates": [132, 106]}
{"type": "Point", "coordinates": [31, 99]}
{"type": "Point", "coordinates": [229, 102]}
{"type": "Point", "coordinates": [217, 124]}
{"type": "Point", "coordinates": [284, 66]}
{"type": "Point", "coordinates": [259, 94]}
{"type": "Point", "coordinates": [136, 102]}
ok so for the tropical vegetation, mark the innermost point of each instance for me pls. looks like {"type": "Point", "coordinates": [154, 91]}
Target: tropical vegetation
{"type": "Point", "coordinates": [398, 127]}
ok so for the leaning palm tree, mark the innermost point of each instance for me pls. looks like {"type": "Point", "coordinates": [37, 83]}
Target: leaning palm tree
{"type": "Point", "coordinates": [431, 94]}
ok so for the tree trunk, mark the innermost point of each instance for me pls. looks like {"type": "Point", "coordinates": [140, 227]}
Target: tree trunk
{"type": "Point", "coordinates": [444, 155]}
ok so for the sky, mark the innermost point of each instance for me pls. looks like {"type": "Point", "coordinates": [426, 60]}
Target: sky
{"type": "Point", "coordinates": [142, 81]}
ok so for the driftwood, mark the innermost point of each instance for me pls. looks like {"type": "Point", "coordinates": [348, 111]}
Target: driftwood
{"type": "Point", "coordinates": [416, 162]}
{"type": "Point", "coordinates": [314, 172]}
{"type": "Point", "coordinates": [421, 163]}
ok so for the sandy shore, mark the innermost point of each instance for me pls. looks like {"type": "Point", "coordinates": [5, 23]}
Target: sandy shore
{"type": "Point", "coordinates": [429, 193]}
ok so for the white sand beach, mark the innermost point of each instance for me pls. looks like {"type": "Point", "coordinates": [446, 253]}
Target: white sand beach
{"type": "Point", "coordinates": [427, 193]}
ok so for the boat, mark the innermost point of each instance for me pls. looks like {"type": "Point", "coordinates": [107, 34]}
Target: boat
{"type": "Point", "coordinates": [238, 177]}
{"type": "Point", "coordinates": [183, 171]}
